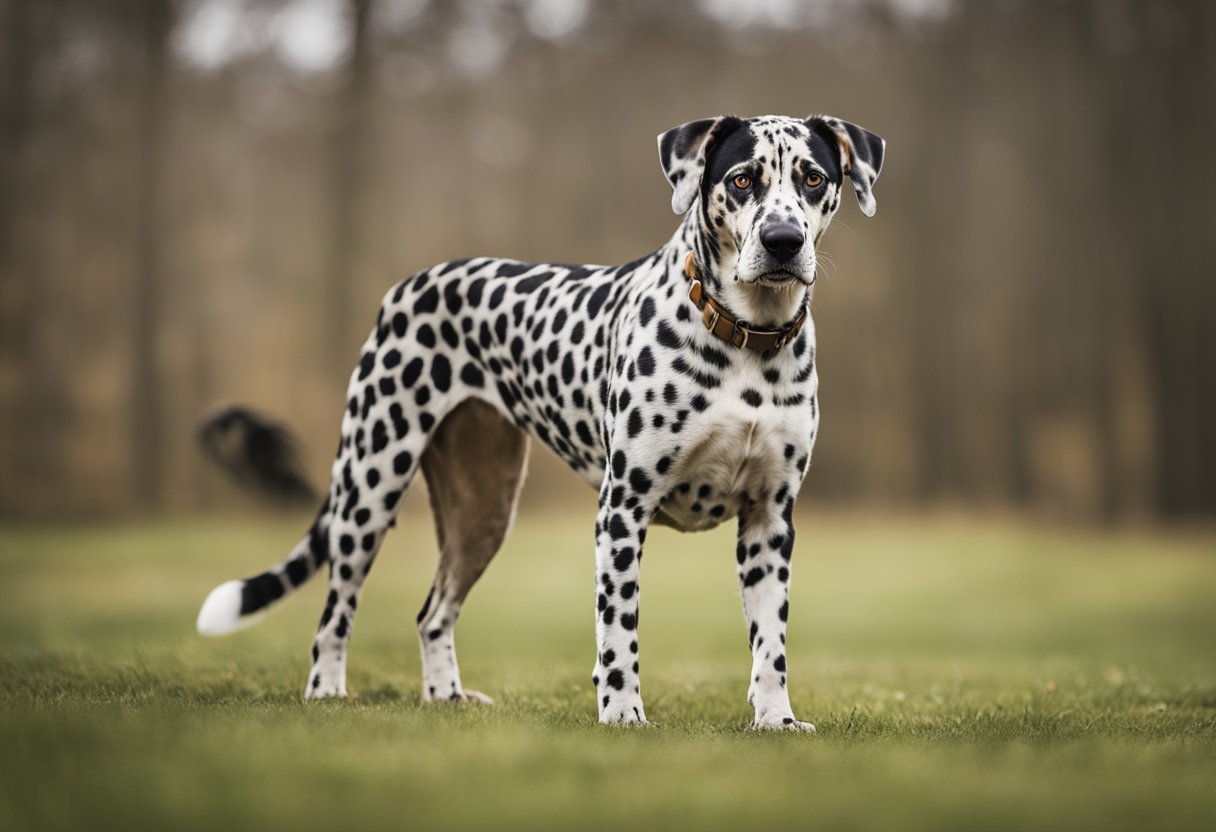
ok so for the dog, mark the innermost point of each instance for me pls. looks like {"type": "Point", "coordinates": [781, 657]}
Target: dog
{"type": "Point", "coordinates": [682, 386]}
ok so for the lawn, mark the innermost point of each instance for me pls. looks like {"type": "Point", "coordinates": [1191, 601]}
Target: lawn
{"type": "Point", "coordinates": [962, 674]}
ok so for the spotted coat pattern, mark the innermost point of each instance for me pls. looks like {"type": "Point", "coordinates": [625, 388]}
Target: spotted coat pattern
{"type": "Point", "coordinates": [612, 369]}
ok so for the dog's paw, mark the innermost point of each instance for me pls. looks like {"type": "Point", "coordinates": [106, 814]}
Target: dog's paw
{"type": "Point", "coordinates": [324, 690]}
{"type": "Point", "coordinates": [626, 713]}
{"type": "Point", "coordinates": [781, 722]}
{"type": "Point", "coordinates": [471, 696]}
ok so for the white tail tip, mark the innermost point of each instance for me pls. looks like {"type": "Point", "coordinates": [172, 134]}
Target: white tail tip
{"type": "Point", "coordinates": [221, 612]}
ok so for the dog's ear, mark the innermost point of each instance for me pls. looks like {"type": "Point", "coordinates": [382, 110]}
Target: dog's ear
{"type": "Point", "coordinates": [861, 155]}
{"type": "Point", "coordinates": [682, 152]}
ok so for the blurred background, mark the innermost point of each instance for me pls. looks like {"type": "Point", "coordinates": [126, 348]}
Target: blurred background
{"type": "Point", "coordinates": [204, 200]}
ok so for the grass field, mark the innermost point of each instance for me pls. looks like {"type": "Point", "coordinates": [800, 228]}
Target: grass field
{"type": "Point", "coordinates": [962, 675]}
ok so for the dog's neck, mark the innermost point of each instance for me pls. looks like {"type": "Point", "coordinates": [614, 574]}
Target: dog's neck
{"type": "Point", "coordinates": [765, 306]}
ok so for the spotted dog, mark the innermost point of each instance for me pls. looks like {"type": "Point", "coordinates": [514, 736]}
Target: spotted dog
{"type": "Point", "coordinates": [681, 385]}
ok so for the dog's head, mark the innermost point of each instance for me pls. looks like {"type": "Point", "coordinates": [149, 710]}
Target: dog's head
{"type": "Point", "coordinates": [767, 188]}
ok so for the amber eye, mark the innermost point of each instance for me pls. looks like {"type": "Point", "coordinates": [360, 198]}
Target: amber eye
{"type": "Point", "coordinates": [742, 181]}
{"type": "Point", "coordinates": [813, 180]}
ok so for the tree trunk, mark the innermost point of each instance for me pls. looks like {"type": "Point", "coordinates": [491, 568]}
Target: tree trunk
{"type": "Point", "coordinates": [348, 172]}
{"type": "Point", "coordinates": [147, 427]}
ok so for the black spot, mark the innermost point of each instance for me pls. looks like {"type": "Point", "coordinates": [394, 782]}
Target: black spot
{"type": "Point", "coordinates": [634, 425]}
{"type": "Point", "coordinates": [402, 463]}
{"type": "Point", "coordinates": [623, 559]}
{"type": "Point", "coordinates": [428, 301]}
{"type": "Point", "coordinates": [616, 528]}
{"type": "Point", "coordinates": [426, 336]}
{"type": "Point", "coordinates": [753, 577]}
{"type": "Point", "coordinates": [379, 437]}
{"type": "Point", "coordinates": [297, 571]}
{"type": "Point", "coordinates": [475, 290]}
{"type": "Point", "coordinates": [441, 373]}
{"type": "Point", "coordinates": [779, 664]}
{"type": "Point", "coordinates": [667, 336]}
{"type": "Point", "coordinates": [752, 397]}
{"type": "Point", "coordinates": [366, 364]}
{"type": "Point", "coordinates": [497, 295]}
{"type": "Point", "coordinates": [647, 311]}
{"type": "Point", "coordinates": [347, 544]}
{"type": "Point", "coordinates": [472, 375]}
{"type": "Point", "coordinates": [616, 679]}
{"type": "Point", "coordinates": [597, 300]}
{"type": "Point", "coordinates": [530, 284]}
{"type": "Point", "coordinates": [645, 362]}
{"type": "Point", "coordinates": [448, 333]}
{"type": "Point", "coordinates": [629, 621]}
{"type": "Point", "coordinates": [411, 372]}
{"type": "Point", "coordinates": [452, 298]}
{"type": "Point", "coordinates": [638, 481]}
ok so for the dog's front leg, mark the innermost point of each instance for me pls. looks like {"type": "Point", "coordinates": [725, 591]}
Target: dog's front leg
{"type": "Point", "coordinates": [620, 530]}
{"type": "Point", "coordinates": [766, 542]}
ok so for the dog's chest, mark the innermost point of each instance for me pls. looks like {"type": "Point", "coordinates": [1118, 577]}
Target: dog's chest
{"type": "Point", "coordinates": [732, 453]}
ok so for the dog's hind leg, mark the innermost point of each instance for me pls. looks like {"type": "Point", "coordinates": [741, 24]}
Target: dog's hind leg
{"type": "Point", "coordinates": [474, 468]}
{"type": "Point", "coordinates": [381, 449]}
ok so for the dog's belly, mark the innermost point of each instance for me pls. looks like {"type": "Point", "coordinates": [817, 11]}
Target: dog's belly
{"type": "Point", "coordinates": [730, 462]}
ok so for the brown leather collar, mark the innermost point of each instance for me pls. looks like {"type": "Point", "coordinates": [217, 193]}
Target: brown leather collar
{"type": "Point", "coordinates": [727, 327]}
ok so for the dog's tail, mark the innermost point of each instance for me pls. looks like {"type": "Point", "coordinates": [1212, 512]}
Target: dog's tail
{"type": "Point", "coordinates": [257, 452]}
{"type": "Point", "coordinates": [263, 454]}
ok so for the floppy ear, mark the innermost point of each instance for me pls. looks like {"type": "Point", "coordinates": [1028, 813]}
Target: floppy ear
{"type": "Point", "coordinates": [682, 153]}
{"type": "Point", "coordinates": [861, 155]}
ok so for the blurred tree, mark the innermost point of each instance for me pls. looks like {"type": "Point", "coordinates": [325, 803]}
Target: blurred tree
{"type": "Point", "coordinates": [155, 22]}
{"type": "Point", "coordinates": [351, 145]}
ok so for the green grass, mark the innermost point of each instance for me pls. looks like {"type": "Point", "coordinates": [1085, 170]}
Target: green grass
{"type": "Point", "coordinates": [962, 675]}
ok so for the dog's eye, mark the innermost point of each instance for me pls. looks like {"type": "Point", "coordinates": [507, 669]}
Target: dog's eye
{"type": "Point", "coordinates": [813, 180]}
{"type": "Point", "coordinates": [742, 181]}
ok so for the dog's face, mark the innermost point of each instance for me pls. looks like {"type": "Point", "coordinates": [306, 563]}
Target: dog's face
{"type": "Point", "coordinates": [767, 189]}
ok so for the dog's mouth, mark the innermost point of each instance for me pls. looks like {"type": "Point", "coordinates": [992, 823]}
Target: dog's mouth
{"type": "Point", "coordinates": [779, 277]}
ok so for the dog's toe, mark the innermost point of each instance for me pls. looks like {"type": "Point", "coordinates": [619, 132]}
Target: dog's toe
{"type": "Point", "coordinates": [786, 723]}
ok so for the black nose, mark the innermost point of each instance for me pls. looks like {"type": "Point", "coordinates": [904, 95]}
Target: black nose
{"type": "Point", "coordinates": [783, 241]}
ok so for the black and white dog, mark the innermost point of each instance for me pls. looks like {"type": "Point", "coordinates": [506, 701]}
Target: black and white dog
{"type": "Point", "coordinates": [681, 385]}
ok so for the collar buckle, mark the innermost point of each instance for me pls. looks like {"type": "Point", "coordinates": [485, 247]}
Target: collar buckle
{"type": "Point", "coordinates": [736, 329]}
